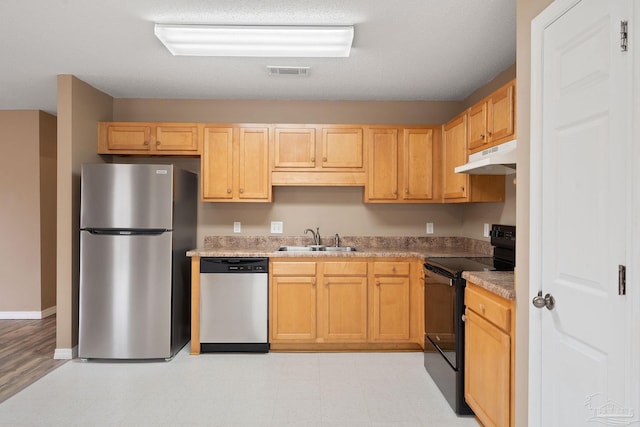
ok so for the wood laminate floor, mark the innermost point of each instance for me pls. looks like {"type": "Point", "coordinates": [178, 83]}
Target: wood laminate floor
{"type": "Point", "coordinates": [26, 353]}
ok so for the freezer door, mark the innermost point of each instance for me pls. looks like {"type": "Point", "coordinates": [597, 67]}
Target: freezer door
{"type": "Point", "coordinates": [126, 196]}
{"type": "Point", "coordinates": [125, 296]}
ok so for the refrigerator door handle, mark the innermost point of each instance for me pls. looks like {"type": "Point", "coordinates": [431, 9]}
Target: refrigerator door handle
{"type": "Point", "coordinates": [125, 232]}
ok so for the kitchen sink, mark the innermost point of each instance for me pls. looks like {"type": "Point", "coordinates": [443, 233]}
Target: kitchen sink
{"type": "Point", "coordinates": [312, 248]}
{"type": "Point", "coordinates": [340, 249]}
{"type": "Point", "coordinates": [295, 249]}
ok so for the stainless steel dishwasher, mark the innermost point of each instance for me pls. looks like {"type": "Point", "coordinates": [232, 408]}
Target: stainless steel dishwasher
{"type": "Point", "coordinates": [234, 304]}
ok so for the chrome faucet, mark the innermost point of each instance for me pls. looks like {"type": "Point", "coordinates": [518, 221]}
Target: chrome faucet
{"type": "Point", "coordinates": [316, 235]}
{"type": "Point", "coordinates": [336, 240]}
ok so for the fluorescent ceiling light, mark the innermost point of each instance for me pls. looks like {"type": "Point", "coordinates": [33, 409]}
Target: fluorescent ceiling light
{"type": "Point", "coordinates": [264, 41]}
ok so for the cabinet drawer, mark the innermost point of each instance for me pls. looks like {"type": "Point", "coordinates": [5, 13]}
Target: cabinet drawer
{"type": "Point", "coordinates": [391, 269]}
{"type": "Point", "coordinates": [488, 307]}
{"type": "Point", "coordinates": [345, 269]}
{"type": "Point", "coordinates": [293, 269]}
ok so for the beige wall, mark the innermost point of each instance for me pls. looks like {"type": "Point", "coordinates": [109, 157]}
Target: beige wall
{"type": "Point", "coordinates": [526, 11]}
{"type": "Point", "coordinates": [236, 111]}
{"type": "Point", "coordinates": [80, 106]}
{"type": "Point", "coordinates": [27, 216]}
{"type": "Point", "coordinates": [48, 203]}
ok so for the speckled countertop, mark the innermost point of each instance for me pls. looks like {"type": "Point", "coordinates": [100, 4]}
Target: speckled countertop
{"type": "Point", "coordinates": [500, 283]}
{"type": "Point", "coordinates": [367, 247]}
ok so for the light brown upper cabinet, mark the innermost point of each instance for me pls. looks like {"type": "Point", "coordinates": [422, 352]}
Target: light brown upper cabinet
{"type": "Point", "coordinates": [145, 138]}
{"type": "Point", "coordinates": [294, 147]}
{"type": "Point", "coordinates": [403, 164]}
{"type": "Point", "coordinates": [460, 187]}
{"type": "Point", "coordinates": [235, 164]}
{"type": "Point", "coordinates": [492, 120]}
{"type": "Point", "coordinates": [318, 155]}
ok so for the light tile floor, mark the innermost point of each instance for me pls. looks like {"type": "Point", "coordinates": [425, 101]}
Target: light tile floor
{"type": "Point", "coordinates": [274, 389]}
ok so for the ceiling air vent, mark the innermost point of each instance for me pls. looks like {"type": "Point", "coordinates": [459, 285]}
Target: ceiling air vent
{"type": "Point", "coordinates": [288, 71]}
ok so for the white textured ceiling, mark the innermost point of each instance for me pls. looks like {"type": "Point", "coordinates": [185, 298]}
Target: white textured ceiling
{"type": "Point", "coordinates": [402, 50]}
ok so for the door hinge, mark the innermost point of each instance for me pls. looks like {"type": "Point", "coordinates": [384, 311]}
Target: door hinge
{"type": "Point", "coordinates": [622, 280]}
{"type": "Point", "coordinates": [624, 39]}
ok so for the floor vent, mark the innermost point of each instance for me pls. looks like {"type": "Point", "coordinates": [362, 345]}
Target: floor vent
{"type": "Point", "coordinates": [288, 71]}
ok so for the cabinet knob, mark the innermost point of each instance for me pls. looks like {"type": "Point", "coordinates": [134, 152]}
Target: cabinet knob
{"type": "Point", "coordinates": [326, 283]}
{"type": "Point", "coordinates": [406, 191]}
{"type": "Point", "coordinates": [490, 134]}
{"type": "Point", "coordinates": [228, 190]}
{"type": "Point", "coordinates": [313, 159]}
{"type": "Point", "coordinates": [393, 270]}
{"type": "Point", "coordinates": [461, 188]}
{"type": "Point", "coordinates": [146, 143]}
{"type": "Point", "coordinates": [242, 190]}
{"type": "Point", "coordinates": [482, 136]}
{"type": "Point", "coordinates": [324, 159]}
{"type": "Point", "coordinates": [378, 283]}
{"type": "Point", "coordinates": [313, 282]}
{"type": "Point", "coordinates": [157, 142]}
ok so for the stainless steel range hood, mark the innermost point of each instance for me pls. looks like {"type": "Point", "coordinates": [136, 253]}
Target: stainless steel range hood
{"type": "Point", "coordinates": [498, 160]}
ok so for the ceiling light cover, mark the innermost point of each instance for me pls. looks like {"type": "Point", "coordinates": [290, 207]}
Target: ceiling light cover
{"type": "Point", "coordinates": [256, 41]}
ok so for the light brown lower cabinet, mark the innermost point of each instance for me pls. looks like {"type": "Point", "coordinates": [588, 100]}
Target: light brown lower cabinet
{"type": "Point", "coordinates": [343, 304]}
{"type": "Point", "coordinates": [390, 308]}
{"type": "Point", "coordinates": [489, 356]}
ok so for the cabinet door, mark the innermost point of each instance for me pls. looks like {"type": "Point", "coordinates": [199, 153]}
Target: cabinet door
{"type": "Point", "coordinates": [455, 154]}
{"type": "Point", "coordinates": [217, 163]}
{"type": "Point", "coordinates": [177, 138]}
{"type": "Point", "coordinates": [417, 164]}
{"type": "Point", "coordinates": [383, 164]}
{"type": "Point", "coordinates": [293, 308]}
{"type": "Point", "coordinates": [128, 137]}
{"type": "Point", "coordinates": [501, 115]}
{"type": "Point", "coordinates": [390, 309]}
{"type": "Point", "coordinates": [487, 370]}
{"type": "Point", "coordinates": [343, 308]}
{"type": "Point", "coordinates": [478, 136]}
{"type": "Point", "coordinates": [342, 148]}
{"type": "Point", "coordinates": [294, 148]}
{"type": "Point", "coordinates": [254, 182]}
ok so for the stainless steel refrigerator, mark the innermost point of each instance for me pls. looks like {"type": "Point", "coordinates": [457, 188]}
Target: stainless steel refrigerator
{"type": "Point", "coordinates": [136, 224]}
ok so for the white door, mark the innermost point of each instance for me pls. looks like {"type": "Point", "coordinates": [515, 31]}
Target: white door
{"type": "Point", "coordinates": [580, 172]}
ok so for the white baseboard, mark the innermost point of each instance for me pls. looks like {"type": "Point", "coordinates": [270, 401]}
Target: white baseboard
{"type": "Point", "coordinates": [65, 353]}
{"type": "Point", "coordinates": [15, 315]}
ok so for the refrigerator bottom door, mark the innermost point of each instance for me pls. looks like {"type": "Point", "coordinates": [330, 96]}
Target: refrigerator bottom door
{"type": "Point", "coordinates": [125, 296]}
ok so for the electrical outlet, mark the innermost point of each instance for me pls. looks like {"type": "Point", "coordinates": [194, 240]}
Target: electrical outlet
{"type": "Point", "coordinates": [237, 227]}
{"type": "Point", "coordinates": [276, 227]}
{"type": "Point", "coordinates": [429, 228]}
{"type": "Point", "coordinates": [486, 230]}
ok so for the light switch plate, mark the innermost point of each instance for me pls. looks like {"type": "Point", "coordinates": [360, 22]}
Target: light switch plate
{"type": "Point", "coordinates": [276, 227]}
{"type": "Point", "coordinates": [429, 228]}
{"type": "Point", "coordinates": [237, 227]}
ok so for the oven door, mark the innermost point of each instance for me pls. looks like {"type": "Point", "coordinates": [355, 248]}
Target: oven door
{"type": "Point", "coordinates": [439, 316]}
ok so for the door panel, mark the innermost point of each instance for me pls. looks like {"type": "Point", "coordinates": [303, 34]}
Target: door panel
{"type": "Point", "coordinates": [125, 296]}
{"type": "Point", "coordinates": [126, 196]}
{"type": "Point", "coordinates": [584, 150]}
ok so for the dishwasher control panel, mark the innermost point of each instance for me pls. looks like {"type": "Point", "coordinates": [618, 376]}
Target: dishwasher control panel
{"type": "Point", "coordinates": [234, 265]}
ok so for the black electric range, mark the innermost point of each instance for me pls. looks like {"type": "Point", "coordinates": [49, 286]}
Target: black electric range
{"type": "Point", "coordinates": [444, 307]}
